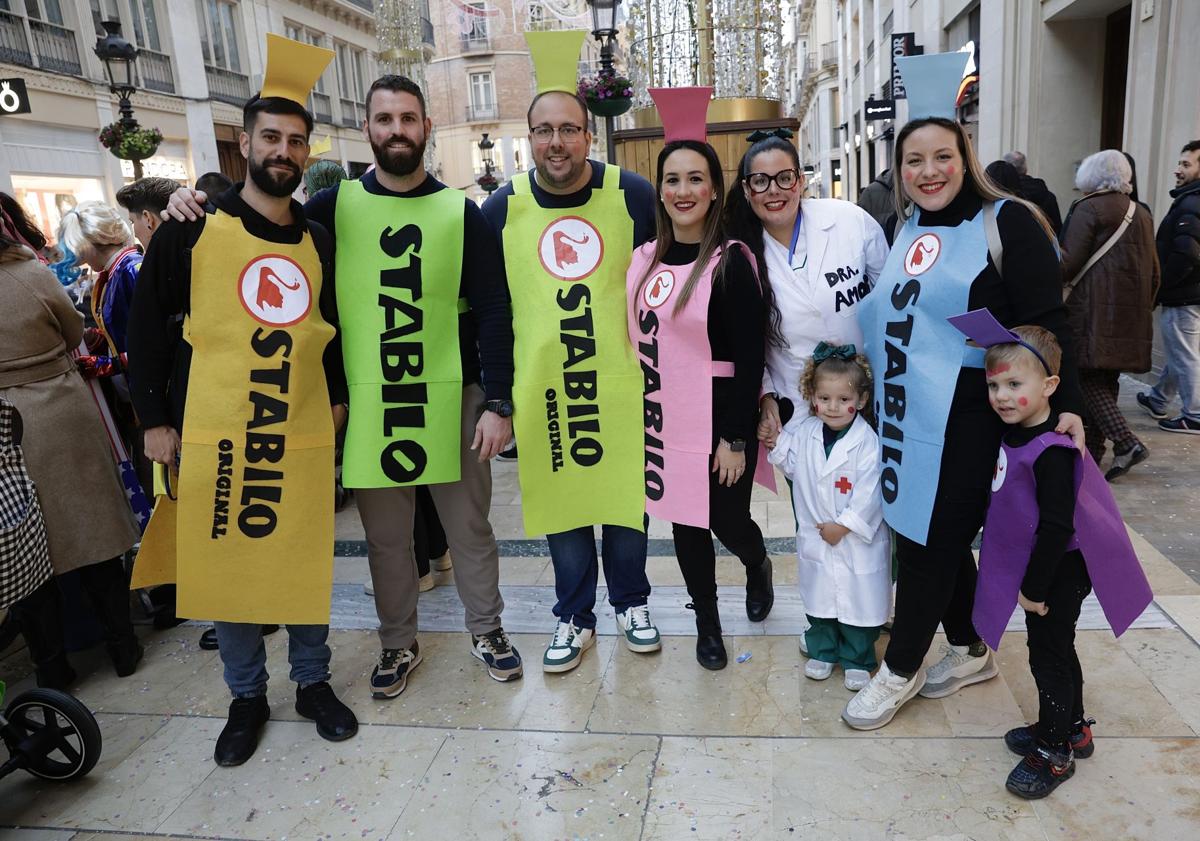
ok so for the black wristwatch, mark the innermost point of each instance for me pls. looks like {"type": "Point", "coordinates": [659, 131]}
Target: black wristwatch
{"type": "Point", "coordinates": [504, 408]}
{"type": "Point", "coordinates": [737, 445]}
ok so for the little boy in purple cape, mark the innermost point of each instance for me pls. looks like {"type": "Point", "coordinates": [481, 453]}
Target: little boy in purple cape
{"type": "Point", "coordinates": [1053, 532]}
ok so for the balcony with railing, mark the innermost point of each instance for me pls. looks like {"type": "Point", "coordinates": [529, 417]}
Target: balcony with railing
{"type": "Point", "coordinates": [354, 114]}
{"type": "Point", "coordinates": [321, 105]}
{"type": "Point", "coordinates": [475, 42]}
{"type": "Point", "coordinates": [35, 43]}
{"type": "Point", "coordinates": [14, 44]}
{"type": "Point", "coordinates": [482, 113]}
{"type": "Point", "coordinates": [155, 71]}
{"type": "Point", "coordinates": [227, 85]}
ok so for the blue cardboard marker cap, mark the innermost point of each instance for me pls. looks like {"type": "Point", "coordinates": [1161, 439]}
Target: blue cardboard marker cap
{"type": "Point", "coordinates": [932, 83]}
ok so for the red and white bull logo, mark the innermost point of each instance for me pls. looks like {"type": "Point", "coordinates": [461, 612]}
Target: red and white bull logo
{"type": "Point", "coordinates": [570, 248]}
{"type": "Point", "coordinates": [275, 290]}
{"type": "Point", "coordinates": [922, 254]}
{"type": "Point", "coordinates": [658, 289]}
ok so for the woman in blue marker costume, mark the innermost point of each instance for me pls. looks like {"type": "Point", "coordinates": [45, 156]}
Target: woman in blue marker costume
{"type": "Point", "coordinates": [958, 244]}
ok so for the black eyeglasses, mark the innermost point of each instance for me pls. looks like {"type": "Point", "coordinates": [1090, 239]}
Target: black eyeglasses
{"type": "Point", "coordinates": [760, 182]}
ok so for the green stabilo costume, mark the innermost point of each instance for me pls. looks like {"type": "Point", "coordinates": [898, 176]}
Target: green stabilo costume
{"type": "Point", "coordinates": [577, 388]}
{"type": "Point", "coordinates": [399, 269]}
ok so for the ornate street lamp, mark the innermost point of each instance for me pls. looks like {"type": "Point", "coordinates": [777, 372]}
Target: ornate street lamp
{"type": "Point", "coordinates": [120, 64]}
{"type": "Point", "coordinates": [487, 182]}
{"type": "Point", "coordinates": [604, 30]}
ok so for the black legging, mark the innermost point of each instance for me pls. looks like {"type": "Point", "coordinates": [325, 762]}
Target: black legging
{"type": "Point", "coordinates": [935, 582]}
{"type": "Point", "coordinates": [1052, 657]}
{"type": "Point", "coordinates": [729, 519]}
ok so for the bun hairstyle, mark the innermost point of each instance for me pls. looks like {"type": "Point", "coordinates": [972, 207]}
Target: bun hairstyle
{"type": "Point", "coordinates": [94, 224]}
{"type": "Point", "coordinates": [830, 361]}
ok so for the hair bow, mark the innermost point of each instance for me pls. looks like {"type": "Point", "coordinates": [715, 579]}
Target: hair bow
{"type": "Point", "coordinates": [760, 134]}
{"type": "Point", "coordinates": [825, 351]}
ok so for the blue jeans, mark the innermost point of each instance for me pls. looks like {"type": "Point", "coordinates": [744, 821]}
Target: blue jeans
{"type": "Point", "coordinates": [1180, 328]}
{"type": "Point", "coordinates": [245, 656]}
{"type": "Point", "coordinates": [576, 571]}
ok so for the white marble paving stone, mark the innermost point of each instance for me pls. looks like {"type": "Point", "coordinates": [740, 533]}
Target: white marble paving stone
{"type": "Point", "coordinates": [528, 610]}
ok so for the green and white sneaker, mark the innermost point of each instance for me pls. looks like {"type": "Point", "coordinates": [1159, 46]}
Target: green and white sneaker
{"type": "Point", "coordinates": [566, 649]}
{"type": "Point", "coordinates": [640, 634]}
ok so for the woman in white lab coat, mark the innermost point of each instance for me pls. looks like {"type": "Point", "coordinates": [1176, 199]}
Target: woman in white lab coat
{"type": "Point", "coordinates": [832, 457]}
{"type": "Point", "coordinates": [821, 257]}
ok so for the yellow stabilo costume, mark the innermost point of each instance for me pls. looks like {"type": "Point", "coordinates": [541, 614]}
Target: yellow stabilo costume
{"type": "Point", "coordinates": [250, 536]}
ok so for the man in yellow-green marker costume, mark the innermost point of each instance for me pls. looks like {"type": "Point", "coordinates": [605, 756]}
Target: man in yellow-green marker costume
{"type": "Point", "coordinates": [568, 229]}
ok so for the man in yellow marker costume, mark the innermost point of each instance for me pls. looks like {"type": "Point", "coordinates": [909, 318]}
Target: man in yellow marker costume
{"type": "Point", "coordinates": [241, 401]}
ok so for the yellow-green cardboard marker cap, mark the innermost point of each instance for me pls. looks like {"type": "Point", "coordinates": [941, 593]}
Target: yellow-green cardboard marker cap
{"type": "Point", "coordinates": [292, 68]}
{"type": "Point", "coordinates": [555, 57]}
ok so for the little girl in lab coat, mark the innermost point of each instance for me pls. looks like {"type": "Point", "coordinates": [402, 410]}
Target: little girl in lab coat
{"type": "Point", "coordinates": [833, 459]}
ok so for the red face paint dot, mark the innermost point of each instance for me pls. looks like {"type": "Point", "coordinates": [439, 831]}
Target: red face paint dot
{"type": "Point", "coordinates": [908, 175]}
{"type": "Point", "coordinates": [999, 369]}
{"type": "Point", "coordinates": [852, 410]}
{"type": "Point", "coordinates": [951, 170]}
{"type": "Point", "coordinates": [1021, 401]}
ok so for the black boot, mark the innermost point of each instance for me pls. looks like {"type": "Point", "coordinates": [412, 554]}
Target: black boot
{"type": "Point", "coordinates": [760, 591]}
{"type": "Point", "coordinates": [39, 616]}
{"type": "Point", "coordinates": [710, 648]}
{"type": "Point", "coordinates": [107, 587]}
{"type": "Point", "coordinates": [239, 738]}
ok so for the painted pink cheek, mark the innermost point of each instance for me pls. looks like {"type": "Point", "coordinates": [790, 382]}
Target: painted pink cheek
{"type": "Point", "coordinates": [1021, 401]}
{"type": "Point", "coordinates": [853, 410]}
{"type": "Point", "coordinates": [951, 170]}
{"type": "Point", "coordinates": [908, 176]}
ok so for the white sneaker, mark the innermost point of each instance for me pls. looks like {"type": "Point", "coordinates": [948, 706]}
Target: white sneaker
{"type": "Point", "coordinates": [818, 670]}
{"type": "Point", "coordinates": [369, 588]}
{"type": "Point", "coordinates": [566, 649]}
{"type": "Point", "coordinates": [425, 583]}
{"type": "Point", "coordinates": [957, 669]}
{"type": "Point", "coordinates": [444, 563]}
{"type": "Point", "coordinates": [803, 643]}
{"type": "Point", "coordinates": [639, 632]}
{"type": "Point", "coordinates": [856, 679]}
{"type": "Point", "coordinates": [877, 702]}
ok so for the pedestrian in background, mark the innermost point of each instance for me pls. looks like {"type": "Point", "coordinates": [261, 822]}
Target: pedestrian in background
{"type": "Point", "coordinates": [1178, 244]}
{"type": "Point", "coordinates": [145, 200]}
{"type": "Point", "coordinates": [1036, 191]}
{"type": "Point", "coordinates": [1111, 274]}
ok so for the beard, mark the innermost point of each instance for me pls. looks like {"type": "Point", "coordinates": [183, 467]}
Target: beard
{"type": "Point", "coordinates": [272, 182]}
{"type": "Point", "coordinates": [574, 173]}
{"type": "Point", "coordinates": [400, 161]}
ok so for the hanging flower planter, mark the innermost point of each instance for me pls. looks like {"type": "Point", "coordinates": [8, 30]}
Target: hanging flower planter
{"type": "Point", "coordinates": [130, 144]}
{"type": "Point", "coordinates": [607, 94]}
{"type": "Point", "coordinates": [488, 182]}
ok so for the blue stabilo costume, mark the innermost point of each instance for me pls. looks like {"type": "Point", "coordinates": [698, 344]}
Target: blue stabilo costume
{"type": "Point", "coordinates": [917, 356]}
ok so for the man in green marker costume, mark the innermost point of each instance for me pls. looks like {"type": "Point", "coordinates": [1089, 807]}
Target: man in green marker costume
{"type": "Point", "coordinates": [419, 275]}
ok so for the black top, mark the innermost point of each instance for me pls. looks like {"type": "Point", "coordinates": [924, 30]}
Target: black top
{"type": "Point", "coordinates": [640, 201]}
{"type": "Point", "coordinates": [159, 359]}
{"type": "Point", "coordinates": [485, 334]}
{"type": "Point", "coordinates": [1178, 244]}
{"type": "Point", "coordinates": [1054, 473]}
{"type": "Point", "coordinates": [737, 324]}
{"type": "Point", "coordinates": [1030, 292]}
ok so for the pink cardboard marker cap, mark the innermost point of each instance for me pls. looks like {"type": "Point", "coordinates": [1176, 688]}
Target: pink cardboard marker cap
{"type": "Point", "coordinates": [683, 111]}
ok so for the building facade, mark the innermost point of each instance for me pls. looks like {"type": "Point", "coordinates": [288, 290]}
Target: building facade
{"type": "Point", "coordinates": [812, 94]}
{"type": "Point", "coordinates": [199, 60]}
{"type": "Point", "coordinates": [480, 80]}
{"type": "Point", "coordinates": [1057, 80]}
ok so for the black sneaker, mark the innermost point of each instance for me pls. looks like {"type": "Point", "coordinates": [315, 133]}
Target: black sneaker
{"type": "Point", "coordinates": [390, 676]}
{"type": "Point", "coordinates": [239, 738]}
{"type": "Point", "coordinates": [1039, 773]}
{"type": "Point", "coordinates": [1180, 424]}
{"type": "Point", "coordinates": [1143, 400]}
{"type": "Point", "coordinates": [1022, 740]}
{"type": "Point", "coordinates": [501, 657]}
{"type": "Point", "coordinates": [1123, 462]}
{"type": "Point", "coordinates": [335, 721]}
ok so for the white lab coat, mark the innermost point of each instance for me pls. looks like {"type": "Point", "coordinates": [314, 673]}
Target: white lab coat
{"type": "Point", "coordinates": [845, 247]}
{"type": "Point", "coordinates": [852, 581]}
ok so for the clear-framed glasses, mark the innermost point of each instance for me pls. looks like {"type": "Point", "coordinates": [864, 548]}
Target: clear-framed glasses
{"type": "Point", "coordinates": [566, 133]}
{"type": "Point", "coordinates": [760, 182]}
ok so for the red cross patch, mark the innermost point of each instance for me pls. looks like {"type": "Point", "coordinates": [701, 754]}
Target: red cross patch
{"type": "Point", "coordinates": [843, 484]}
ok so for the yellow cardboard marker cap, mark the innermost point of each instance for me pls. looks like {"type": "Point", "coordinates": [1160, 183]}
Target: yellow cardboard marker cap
{"type": "Point", "coordinates": [293, 68]}
{"type": "Point", "coordinates": [555, 57]}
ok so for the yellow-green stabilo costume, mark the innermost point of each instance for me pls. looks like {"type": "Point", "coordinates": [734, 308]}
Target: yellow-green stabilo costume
{"type": "Point", "coordinates": [577, 386]}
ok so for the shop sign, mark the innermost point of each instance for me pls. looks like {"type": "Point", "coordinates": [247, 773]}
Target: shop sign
{"type": "Point", "coordinates": [14, 98]}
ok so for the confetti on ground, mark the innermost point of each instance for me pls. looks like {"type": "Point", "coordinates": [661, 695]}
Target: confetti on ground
{"type": "Point", "coordinates": [744, 656]}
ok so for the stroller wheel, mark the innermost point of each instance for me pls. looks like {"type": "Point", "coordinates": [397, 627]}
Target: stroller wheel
{"type": "Point", "coordinates": [54, 735]}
